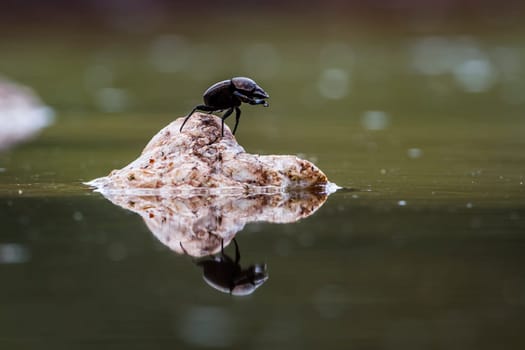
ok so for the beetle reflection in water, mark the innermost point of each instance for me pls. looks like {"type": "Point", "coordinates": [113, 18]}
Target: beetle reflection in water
{"type": "Point", "coordinates": [226, 274]}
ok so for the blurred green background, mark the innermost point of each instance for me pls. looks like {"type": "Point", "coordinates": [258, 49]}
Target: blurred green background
{"type": "Point", "coordinates": [418, 107]}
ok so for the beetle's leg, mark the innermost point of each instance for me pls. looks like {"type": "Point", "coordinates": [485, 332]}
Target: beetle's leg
{"type": "Point", "coordinates": [237, 117]}
{"type": "Point", "coordinates": [244, 98]}
{"type": "Point", "coordinates": [183, 249]}
{"type": "Point", "coordinates": [252, 101]}
{"type": "Point", "coordinates": [226, 115]}
{"type": "Point", "coordinates": [237, 253]}
{"type": "Point", "coordinates": [200, 107]}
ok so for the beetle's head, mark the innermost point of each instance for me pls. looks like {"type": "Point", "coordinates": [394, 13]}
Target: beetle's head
{"type": "Point", "coordinates": [249, 87]}
{"type": "Point", "coordinates": [250, 279]}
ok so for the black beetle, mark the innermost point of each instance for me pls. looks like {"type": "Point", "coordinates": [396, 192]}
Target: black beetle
{"type": "Point", "coordinates": [229, 94]}
{"type": "Point", "coordinates": [226, 275]}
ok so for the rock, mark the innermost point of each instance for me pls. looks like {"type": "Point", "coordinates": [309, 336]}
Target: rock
{"type": "Point", "coordinates": [198, 225]}
{"type": "Point", "coordinates": [196, 190]}
{"type": "Point", "coordinates": [22, 113]}
{"type": "Point", "coordinates": [199, 159]}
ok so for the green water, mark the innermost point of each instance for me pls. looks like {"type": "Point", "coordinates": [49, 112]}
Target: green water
{"type": "Point", "coordinates": [424, 251]}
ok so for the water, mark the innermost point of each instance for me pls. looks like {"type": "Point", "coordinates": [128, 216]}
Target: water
{"type": "Point", "coordinates": [423, 248]}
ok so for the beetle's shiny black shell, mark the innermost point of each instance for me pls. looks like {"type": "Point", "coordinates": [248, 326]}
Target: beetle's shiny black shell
{"type": "Point", "coordinates": [245, 85]}
{"type": "Point", "coordinates": [220, 96]}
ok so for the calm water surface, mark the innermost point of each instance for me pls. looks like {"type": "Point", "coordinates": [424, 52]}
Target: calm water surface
{"type": "Point", "coordinates": [422, 249]}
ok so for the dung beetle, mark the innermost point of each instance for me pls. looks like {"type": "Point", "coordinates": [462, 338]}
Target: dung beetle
{"type": "Point", "coordinates": [229, 94]}
{"type": "Point", "coordinates": [226, 275]}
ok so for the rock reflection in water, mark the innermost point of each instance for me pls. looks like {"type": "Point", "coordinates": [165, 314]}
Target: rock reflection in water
{"type": "Point", "coordinates": [202, 226]}
{"type": "Point", "coordinates": [201, 223]}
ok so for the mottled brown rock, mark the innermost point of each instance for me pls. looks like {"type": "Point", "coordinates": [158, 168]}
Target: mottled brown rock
{"type": "Point", "coordinates": [197, 225]}
{"type": "Point", "coordinates": [200, 159]}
